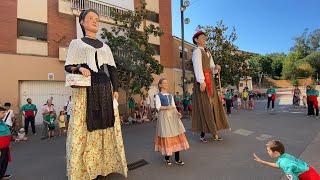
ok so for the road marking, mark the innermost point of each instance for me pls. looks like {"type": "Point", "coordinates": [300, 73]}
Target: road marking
{"type": "Point", "coordinates": [243, 132]}
{"type": "Point", "coordinates": [266, 136]}
{"type": "Point", "coordinates": [261, 139]}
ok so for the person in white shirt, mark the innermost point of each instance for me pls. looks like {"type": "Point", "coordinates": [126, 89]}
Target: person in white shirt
{"type": "Point", "coordinates": [148, 102]}
{"type": "Point", "coordinates": [208, 115]}
{"type": "Point", "coordinates": [46, 109]}
{"type": "Point", "coordinates": [9, 118]}
{"type": "Point", "coordinates": [67, 108]}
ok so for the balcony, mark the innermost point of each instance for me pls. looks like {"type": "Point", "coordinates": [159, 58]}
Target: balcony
{"type": "Point", "coordinates": [74, 7]}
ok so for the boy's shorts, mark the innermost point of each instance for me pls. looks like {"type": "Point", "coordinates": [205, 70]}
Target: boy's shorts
{"type": "Point", "coordinates": [51, 128]}
{"type": "Point", "coordinates": [68, 118]}
{"type": "Point", "coordinates": [311, 174]}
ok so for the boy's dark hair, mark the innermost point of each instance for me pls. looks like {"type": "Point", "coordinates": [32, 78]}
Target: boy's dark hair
{"type": "Point", "coordinates": [2, 108]}
{"type": "Point", "coordinates": [51, 112]}
{"type": "Point", "coordinates": [275, 145]}
{"type": "Point", "coordinates": [7, 104]}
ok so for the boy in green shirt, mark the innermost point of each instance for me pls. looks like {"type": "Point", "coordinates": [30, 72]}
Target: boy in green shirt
{"type": "Point", "coordinates": [271, 92]}
{"type": "Point", "coordinates": [295, 169]}
{"type": "Point", "coordinates": [50, 120]}
{"type": "Point", "coordinates": [228, 101]}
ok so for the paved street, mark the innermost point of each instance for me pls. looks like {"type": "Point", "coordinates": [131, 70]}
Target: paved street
{"type": "Point", "coordinates": [229, 159]}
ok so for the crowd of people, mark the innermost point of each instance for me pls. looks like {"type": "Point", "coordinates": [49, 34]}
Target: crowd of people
{"type": "Point", "coordinates": [94, 145]}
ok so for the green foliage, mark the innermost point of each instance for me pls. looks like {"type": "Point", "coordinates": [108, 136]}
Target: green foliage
{"type": "Point", "coordinates": [314, 60]}
{"type": "Point", "coordinates": [304, 70]}
{"type": "Point", "coordinates": [289, 70]}
{"type": "Point", "coordinates": [277, 64]}
{"type": "Point", "coordinates": [294, 82]}
{"type": "Point", "coordinates": [307, 43]}
{"type": "Point", "coordinates": [225, 53]}
{"type": "Point", "coordinates": [132, 52]}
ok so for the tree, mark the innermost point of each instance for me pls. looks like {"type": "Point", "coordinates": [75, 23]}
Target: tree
{"type": "Point", "coordinates": [277, 64]}
{"type": "Point", "coordinates": [132, 52]}
{"type": "Point", "coordinates": [289, 70]}
{"type": "Point", "coordinates": [306, 43]}
{"type": "Point", "coordinates": [314, 60]}
{"type": "Point", "coordinates": [225, 53]}
{"type": "Point", "coordinates": [304, 70]}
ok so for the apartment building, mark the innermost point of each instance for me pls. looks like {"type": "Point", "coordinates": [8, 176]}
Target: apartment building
{"type": "Point", "coordinates": [35, 35]}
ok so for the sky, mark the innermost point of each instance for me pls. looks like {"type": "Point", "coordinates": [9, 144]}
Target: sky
{"type": "Point", "coordinates": [262, 26]}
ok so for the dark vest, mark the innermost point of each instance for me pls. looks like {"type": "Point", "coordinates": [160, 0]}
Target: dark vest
{"type": "Point", "coordinates": [166, 100]}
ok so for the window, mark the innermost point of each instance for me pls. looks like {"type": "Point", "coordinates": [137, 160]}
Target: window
{"type": "Point", "coordinates": [33, 30]}
{"type": "Point", "coordinates": [154, 17]}
{"type": "Point", "coordinates": [156, 49]}
{"type": "Point", "coordinates": [185, 55]}
{"type": "Point", "coordinates": [241, 85]}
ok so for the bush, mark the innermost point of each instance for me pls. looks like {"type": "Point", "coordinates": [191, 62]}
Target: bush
{"type": "Point", "coordinates": [304, 70]}
{"type": "Point", "coordinates": [294, 82]}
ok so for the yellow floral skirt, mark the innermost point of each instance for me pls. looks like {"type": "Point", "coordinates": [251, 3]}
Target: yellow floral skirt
{"type": "Point", "coordinates": [90, 154]}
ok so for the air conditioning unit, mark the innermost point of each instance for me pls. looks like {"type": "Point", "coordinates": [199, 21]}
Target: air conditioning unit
{"type": "Point", "coordinates": [63, 53]}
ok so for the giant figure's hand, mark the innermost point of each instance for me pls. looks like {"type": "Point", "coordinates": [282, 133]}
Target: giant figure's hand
{"type": "Point", "coordinates": [85, 71]}
{"type": "Point", "coordinates": [203, 87]}
{"type": "Point", "coordinates": [116, 95]}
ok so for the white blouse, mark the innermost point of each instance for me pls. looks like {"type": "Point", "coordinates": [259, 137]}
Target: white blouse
{"type": "Point", "coordinates": [197, 64]}
{"type": "Point", "coordinates": [80, 52]}
{"type": "Point", "coordinates": [158, 101]}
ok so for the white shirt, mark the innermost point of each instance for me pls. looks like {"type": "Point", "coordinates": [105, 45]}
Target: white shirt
{"type": "Point", "coordinates": [148, 99]}
{"type": "Point", "coordinates": [8, 121]}
{"type": "Point", "coordinates": [158, 101]}
{"type": "Point", "coordinates": [68, 103]}
{"type": "Point", "coordinates": [46, 109]}
{"type": "Point", "coordinates": [197, 64]}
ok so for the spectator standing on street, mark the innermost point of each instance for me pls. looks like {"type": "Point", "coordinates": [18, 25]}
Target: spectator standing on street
{"type": "Point", "coordinates": [29, 112]}
{"type": "Point", "coordinates": [296, 97]}
{"type": "Point", "coordinates": [148, 102]}
{"type": "Point", "coordinates": [9, 119]}
{"type": "Point", "coordinates": [314, 99]}
{"type": "Point", "coordinates": [245, 99]}
{"type": "Point", "coordinates": [46, 109]}
{"type": "Point", "coordinates": [228, 101]}
{"type": "Point", "coordinates": [67, 108]}
{"type": "Point", "coordinates": [309, 93]}
{"type": "Point", "coordinates": [131, 106]}
{"type": "Point", "coordinates": [232, 98]}
{"type": "Point", "coordinates": [5, 139]}
{"type": "Point", "coordinates": [251, 101]}
{"type": "Point", "coordinates": [239, 102]}
{"type": "Point", "coordinates": [177, 101]}
{"type": "Point", "coordinates": [295, 169]}
{"type": "Point", "coordinates": [142, 103]}
{"type": "Point", "coordinates": [62, 122]}
{"type": "Point", "coordinates": [271, 93]}
{"type": "Point", "coordinates": [50, 121]}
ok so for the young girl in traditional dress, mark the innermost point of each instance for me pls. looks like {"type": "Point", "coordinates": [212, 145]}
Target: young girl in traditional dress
{"type": "Point", "coordinates": [170, 137]}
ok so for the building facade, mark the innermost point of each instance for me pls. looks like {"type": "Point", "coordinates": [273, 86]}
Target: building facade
{"type": "Point", "coordinates": [35, 39]}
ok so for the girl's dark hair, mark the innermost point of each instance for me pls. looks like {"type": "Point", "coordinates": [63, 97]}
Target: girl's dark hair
{"type": "Point", "coordinates": [160, 82]}
{"type": "Point", "coordinates": [83, 15]}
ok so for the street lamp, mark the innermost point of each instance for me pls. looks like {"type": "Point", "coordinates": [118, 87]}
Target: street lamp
{"type": "Point", "coordinates": [183, 6]}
